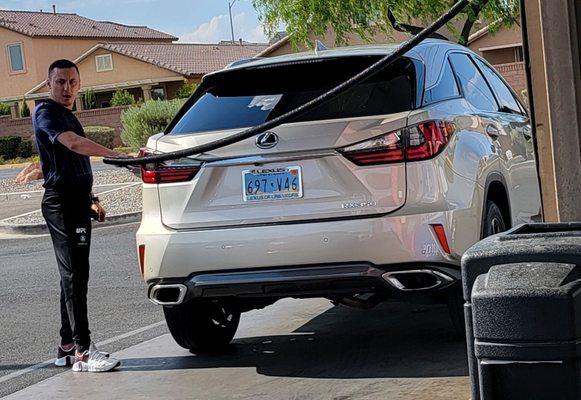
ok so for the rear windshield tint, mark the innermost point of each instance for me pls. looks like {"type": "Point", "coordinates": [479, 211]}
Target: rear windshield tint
{"type": "Point", "coordinates": [244, 98]}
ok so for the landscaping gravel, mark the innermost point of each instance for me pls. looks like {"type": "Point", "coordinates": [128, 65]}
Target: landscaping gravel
{"type": "Point", "coordinates": [118, 175]}
{"type": "Point", "coordinates": [117, 201]}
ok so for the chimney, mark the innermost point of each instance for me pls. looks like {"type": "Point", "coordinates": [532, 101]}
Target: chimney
{"type": "Point", "coordinates": [54, 9]}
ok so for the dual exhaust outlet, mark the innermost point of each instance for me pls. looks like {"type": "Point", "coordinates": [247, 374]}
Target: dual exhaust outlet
{"type": "Point", "coordinates": [416, 280]}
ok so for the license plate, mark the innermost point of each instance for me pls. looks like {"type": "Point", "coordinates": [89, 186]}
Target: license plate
{"type": "Point", "coordinates": [272, 184]}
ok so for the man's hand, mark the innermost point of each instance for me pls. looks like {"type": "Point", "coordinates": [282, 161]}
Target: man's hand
{"type": "Point", "coordinates": [30, 173]}
{"type": "Point", "coordinates": [99, 210]}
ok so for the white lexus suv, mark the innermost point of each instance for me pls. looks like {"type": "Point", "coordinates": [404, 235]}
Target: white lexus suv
{"type": "Point", "coordinates": [373, 195]}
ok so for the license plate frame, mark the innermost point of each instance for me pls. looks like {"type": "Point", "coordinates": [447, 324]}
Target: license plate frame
{"type": "Point", "coordinates": [271, 181]}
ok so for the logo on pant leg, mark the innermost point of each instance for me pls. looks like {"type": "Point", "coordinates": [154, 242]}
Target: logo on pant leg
{"type": "Point", "coordinates": [82, 236]}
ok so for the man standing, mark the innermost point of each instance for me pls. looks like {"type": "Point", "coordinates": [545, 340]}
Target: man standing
{"type": "Point", "coordinates": [66, 206]}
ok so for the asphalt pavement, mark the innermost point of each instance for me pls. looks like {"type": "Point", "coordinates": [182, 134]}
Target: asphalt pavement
{"type": "Point", "coordinates": [29, 300]}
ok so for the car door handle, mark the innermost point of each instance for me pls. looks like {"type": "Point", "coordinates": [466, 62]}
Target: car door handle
{"type": "Point", "coordinates": [492, 131]}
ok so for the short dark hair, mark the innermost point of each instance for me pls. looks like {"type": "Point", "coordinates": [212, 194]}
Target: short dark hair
{"type": "Point", "coordinates": [62, 64]}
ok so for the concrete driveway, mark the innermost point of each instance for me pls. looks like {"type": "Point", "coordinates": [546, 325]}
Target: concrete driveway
{"type": "Point", "coordinates": [294, 349]}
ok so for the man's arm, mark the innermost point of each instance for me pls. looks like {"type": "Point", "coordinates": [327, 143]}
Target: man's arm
{"type": "Point", "coordinates": [85, 146]}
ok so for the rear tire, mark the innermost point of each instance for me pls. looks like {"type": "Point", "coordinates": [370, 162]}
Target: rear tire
{"type": "Point", "coordinates": [493, 220]}
{"type": "Point", "coordinates": [493, 223]}
{"type": "Point", "coordinates": [202, 326]}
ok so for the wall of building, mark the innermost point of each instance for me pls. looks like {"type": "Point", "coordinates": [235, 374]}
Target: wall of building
{"type": "Point", "coordinates": [502, 37]}
{"type": "Point", "coordinates": [14, 84]}
{"type": "Point", "coordinates": [16, 127]}
{"type": "Point", "coordinates": [39, 53]}
{"type": "Point", "coordinates": [110, 117]}
{"type": "Point", "coordinates": [500, 56]}
{"type": "Point", "coordinates": [125, 69]}
{"type": "Point", "coordinates": [514, 74]}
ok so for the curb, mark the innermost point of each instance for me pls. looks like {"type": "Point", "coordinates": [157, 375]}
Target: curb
{"type": "Point", "coordinates": [38, 229]}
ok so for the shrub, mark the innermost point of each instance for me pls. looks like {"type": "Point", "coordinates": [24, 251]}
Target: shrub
{"type": "Point", "coordinates": [89, 99]}
{"type": "Point", "coordinates": [139, 123]}
{"type": "Point", "coordinates": [9, 146]}
{"type": "Point", "coordinates": [103, 135]}
{"type": "Point", "coordinates": [4, 109]}
{"type": "Point", "coordinates": [186, 90]}
{"type": "Point", "coordinates": [25, 149]}
{"type": "Point", "coordinates": [24, 110]}
{"type": "Point", "coordinates": [122, 98]}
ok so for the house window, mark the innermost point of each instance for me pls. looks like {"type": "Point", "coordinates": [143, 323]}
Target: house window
{"type": "Point", "coordinates": [16, 57]}
{"type": "Point", "coordinates": [158, 93]}
{"type": "Point", "coordinates": [104, 62]}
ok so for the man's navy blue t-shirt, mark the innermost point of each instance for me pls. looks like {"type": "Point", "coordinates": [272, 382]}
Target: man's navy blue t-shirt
{"type": "Point", "coordinates": [62, 168]}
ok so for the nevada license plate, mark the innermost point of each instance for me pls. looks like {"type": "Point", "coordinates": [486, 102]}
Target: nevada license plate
{"type": "Point", "coordinates": [272, 184]}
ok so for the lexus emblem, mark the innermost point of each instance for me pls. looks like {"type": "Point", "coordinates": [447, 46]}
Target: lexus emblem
{"type": "Point", "coordinates": [267, 140]}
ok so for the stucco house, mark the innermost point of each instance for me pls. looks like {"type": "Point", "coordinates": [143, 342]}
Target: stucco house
{"type": "Point", "coordinates": [148, 70]}
{"type": "Point", "coordinates": [110, 56]}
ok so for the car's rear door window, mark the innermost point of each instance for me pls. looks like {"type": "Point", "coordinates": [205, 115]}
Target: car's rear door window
{"type": "Point", "coordinates": [505, 97]}
{"type": "Point", "coordinates": [474, 86]}
{"type": "Point", "coordinates": [248, 97]}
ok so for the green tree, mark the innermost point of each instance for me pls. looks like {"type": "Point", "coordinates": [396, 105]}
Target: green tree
{"type": "Point", "coordinates": [186, 90]}
{"type": "Point", "coordinates": [89, 99]}
{"type": "Point", "coordinates": [122, 98]}
{"type": "Point", "coordinates": [306, 17]}
{"type": "Point", "coordinates": [24, 110]}
{"type": "Point", "coordinates": [4, 109]}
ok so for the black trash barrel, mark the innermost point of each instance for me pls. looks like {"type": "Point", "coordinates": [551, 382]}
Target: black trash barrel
{"type": "Point", "coordinates": [527, 331]}
{"type": "Point", "coordinates": [529, 243]}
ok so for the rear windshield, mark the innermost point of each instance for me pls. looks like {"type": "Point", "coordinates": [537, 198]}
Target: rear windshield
{"type": "Point", "coordinates": [245, 98]}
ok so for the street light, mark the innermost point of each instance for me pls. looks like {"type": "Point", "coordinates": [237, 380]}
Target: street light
{"type": "Point", "coordinates": [230, 4]}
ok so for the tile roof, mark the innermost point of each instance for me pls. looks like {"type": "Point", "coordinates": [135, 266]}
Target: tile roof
{"type": "Point", "coordinates": [48, 24]}
{"type": "Point", "coordinates": [187, 58]}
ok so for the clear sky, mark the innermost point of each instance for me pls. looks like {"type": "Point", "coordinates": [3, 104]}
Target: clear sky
{"type": "Point", "coordinates": [192, 21]}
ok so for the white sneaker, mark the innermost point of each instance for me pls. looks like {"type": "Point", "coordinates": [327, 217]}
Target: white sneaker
{"type": "Point", "coordinates": [93, 348]}
{"type": "Point", "coordinates": [95, 362]}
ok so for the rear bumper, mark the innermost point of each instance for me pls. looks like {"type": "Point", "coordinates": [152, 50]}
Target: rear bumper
{"type": "Point", "coordinates": [306, 281]}
{"type": "Point", "coordinates": [389, 240]}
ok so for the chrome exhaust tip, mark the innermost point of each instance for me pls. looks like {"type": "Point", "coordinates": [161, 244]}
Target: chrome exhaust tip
{"type": "Point", "coordinates": [417, 279]}
{"type": "Point", "coordinates": [168, 294]}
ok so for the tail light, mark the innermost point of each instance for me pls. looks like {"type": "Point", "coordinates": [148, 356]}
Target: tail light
{"type": "Point", "coordinates": [414, 143]}
{"type": "Point", "coordinates": [380, 150]}
{"type": "Point", "coordinates": [141, 258]}
{"type": "Point", "coordinates": [441, 236]}
{"type": "Point", "coordinates": [181, 170]}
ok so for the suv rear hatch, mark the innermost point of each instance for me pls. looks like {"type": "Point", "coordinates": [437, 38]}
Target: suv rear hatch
{"type": "Point", "coordinates": [305, 170]}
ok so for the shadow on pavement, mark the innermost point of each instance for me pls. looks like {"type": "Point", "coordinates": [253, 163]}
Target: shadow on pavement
{"type": "Point", "coordinates": [393, 340]}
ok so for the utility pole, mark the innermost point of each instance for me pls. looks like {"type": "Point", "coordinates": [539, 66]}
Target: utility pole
{"type": "Point", "coordinates": [230, 4]}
